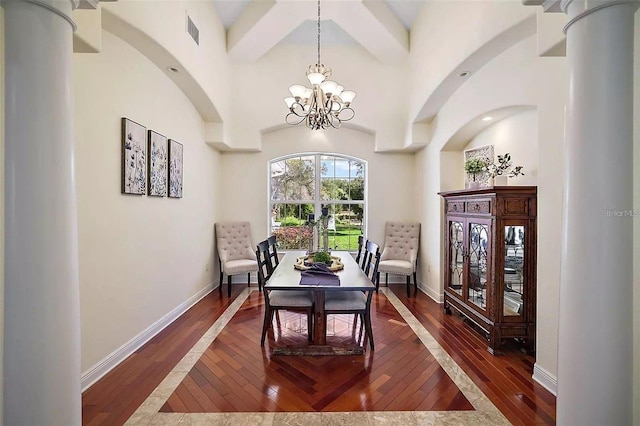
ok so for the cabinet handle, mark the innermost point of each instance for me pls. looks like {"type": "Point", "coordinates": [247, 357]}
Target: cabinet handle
{"type": "Point", "coordinates": [475, 207]}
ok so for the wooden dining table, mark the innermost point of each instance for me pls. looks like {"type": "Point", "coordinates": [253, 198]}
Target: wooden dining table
{"type": "Point", "coordinates": [352, 278]}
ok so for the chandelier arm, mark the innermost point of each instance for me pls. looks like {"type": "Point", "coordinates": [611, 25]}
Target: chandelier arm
{"type": "Point", "coordinates": [334, 121]}
{"type": "Point", "coordinates": [294, 116]}
{"type": "Point", "coordinates": [348, 110]}
{"type": "Point", "coordinates": [298, 109]}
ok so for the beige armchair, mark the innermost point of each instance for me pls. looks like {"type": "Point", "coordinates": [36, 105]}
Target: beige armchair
{"type": "Point", "coordinates": [235, 251]}
{"type": "Point", "coordinates": [400, 253]}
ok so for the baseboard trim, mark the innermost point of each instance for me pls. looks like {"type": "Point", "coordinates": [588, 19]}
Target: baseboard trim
{"type": "Point", "coordinates": [545, 379]}
{"type": "Point", "coordinates": [437, 297]}
{"type": "Point", "coordinates": [96, 372]}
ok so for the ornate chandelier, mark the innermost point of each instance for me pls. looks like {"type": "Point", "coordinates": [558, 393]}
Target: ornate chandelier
{"type": "Point", "coordinates": [326, 104]}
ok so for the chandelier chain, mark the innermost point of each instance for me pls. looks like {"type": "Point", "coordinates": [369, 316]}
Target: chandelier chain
{"type": "Point", "coordinates": [318, 32]}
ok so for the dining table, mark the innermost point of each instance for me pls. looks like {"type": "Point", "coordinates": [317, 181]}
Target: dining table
{"type": "Point", "coordinates": [351, 277]}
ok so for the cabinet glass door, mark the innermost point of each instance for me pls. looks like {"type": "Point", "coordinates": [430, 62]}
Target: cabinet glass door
{"type": "Point", "coordinates": [456, 256]}
{"type": "Point", "coordinates": [513, 303]}
{"type": "Point", "coordinates": [478, 246]}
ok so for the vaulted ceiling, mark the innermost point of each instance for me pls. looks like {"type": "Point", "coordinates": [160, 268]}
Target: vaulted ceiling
{"type": "Point", "coordinates": [256, 26]}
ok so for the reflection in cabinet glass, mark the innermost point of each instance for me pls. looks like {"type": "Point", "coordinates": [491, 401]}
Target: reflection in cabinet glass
{"type": "Point", "coordinates": [490, 260]}
{"type": "Point", "coordinates": [513, 270]}
{"type": "Point", "coordinates": [456, 255]}
{"type": "Point", "coordinates": [479, 239]}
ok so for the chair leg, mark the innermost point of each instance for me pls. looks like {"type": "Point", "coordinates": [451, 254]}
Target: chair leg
{"type": "Point", "coordinates": [408, 285]}
{"type": "Point", "coordinates": [415, 283]}
{"type": "Point", "coordinates": [229, 285]}
{"type": "Point", "coordinates": [386, 278]}
{"type": "Point", "coordinates": [377, 278]}
{"type": "Point", "coordinates": [220, 282]}
{"type": "Point", "coordinates": [248, 279]}
{"type": "Point", "coordinates": [265, 324]}
{"type": "Point", "coordinates": [367, 326]}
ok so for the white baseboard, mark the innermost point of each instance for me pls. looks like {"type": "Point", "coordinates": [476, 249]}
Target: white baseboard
{"type": "Point", "coordinates": [96, 372]}
{"type": "Point", "coordinates": [437, 297]}
{"type": "Point", "coordinates": [545, 379]}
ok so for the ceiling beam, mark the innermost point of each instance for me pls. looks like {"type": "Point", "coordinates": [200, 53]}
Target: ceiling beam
{"type": "Point", "coordinates": [264, 23]}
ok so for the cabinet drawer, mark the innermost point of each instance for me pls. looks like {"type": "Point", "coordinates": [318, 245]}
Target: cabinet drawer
{"type": "Point", "coordinates": [480, 206]}
{"type": "Point", "coordinates": [455, 206]}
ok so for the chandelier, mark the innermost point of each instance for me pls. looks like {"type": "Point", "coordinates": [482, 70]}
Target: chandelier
{"type": "Point", "coordinates": [326, 104]}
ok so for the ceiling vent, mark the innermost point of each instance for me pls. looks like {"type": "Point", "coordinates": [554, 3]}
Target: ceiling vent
{"type": "Point", "coordinates": [193, 31]}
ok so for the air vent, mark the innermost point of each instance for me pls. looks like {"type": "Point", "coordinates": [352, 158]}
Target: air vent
{"type": "Point", "coordinates": [193, 31]}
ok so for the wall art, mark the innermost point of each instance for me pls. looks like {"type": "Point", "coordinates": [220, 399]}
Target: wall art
{"type": "Point", "coordinates": [134, 157]}
{"type": "Point", "coordinates": [484, 153]}
{"type": "Point", "coordinates": [158, 154]}
{"type": "Point", "coordinates": [175, 169]}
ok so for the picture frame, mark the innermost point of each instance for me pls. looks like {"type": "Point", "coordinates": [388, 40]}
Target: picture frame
{"type": "Point", "coordinates": [175, 169]}
{"type": "Point", "coordinates": [134, 157]}
{"type": "Point", "coordinates": [484, 153]}
{"type": "Point", "coordinates": [158, 161]}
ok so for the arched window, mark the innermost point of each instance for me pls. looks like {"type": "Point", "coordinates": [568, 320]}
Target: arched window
{"type": "Point", "coordinates": [302, 185]}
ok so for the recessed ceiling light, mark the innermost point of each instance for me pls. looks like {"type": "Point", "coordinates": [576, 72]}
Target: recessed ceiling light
{"type": "Point", "coordinates": [173, 69]}
{"type": "Point", "coordinates": [487, 118]}
{"type": "Point", "coordinates": [464, 73]}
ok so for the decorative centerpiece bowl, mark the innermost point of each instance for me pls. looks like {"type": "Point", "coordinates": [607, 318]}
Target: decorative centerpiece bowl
{"type": "Point", "coordinates": [336, 263]}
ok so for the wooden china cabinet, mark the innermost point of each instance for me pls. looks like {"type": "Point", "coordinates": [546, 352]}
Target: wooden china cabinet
{"type": "Point", "coordinates": [490, 260]}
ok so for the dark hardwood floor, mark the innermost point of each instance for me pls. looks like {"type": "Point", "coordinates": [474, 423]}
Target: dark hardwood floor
{"type": "Point", "coordinates": [399, 375]}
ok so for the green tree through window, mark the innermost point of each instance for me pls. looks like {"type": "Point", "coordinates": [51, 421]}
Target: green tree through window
{"type": "Point", "coordinates": [301, 184]}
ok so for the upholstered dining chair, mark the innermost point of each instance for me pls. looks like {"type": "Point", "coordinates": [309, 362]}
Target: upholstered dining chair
{"type": "Point", "coordinates": [275, 300]}
{"type": "Point", "coordinates": [235, 251]}
{"type": "Point", "coordinates": [356, 302]}
{"type": "Point", "coordinates": [400, 253]}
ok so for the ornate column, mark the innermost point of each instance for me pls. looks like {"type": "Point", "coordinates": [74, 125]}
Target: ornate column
{"type": "Point", "coordinates": [42, 319]}
{"type": "Point", "coordinates": [595, 317]}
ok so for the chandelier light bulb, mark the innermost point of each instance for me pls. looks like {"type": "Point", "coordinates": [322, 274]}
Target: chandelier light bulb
{"type": "Point", "coordinates": [289, 101]}
{"type": "Point", "coordinates": [347, 96]}
{"type": "Point", "coordinates": [297, 90]}
{"type": "Point", "coordinates": [315, 78]}
{"type": "Point", "coordinates": [329, 87]}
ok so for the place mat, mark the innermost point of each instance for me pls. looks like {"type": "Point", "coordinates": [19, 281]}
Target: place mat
{"type": "Point", "coordinates": [319, 274]}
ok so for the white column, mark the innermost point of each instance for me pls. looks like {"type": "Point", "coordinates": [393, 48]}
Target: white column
{"type": "Point", "coordinates": [595, 318]}
{"type": "Point", "coordinates": [42, 319]}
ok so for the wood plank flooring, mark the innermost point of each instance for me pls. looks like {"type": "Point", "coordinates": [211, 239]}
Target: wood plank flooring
{"type": "Point", "coordinates": [234, 375]}
{"type": "Point", "coordinates": [235, 364]}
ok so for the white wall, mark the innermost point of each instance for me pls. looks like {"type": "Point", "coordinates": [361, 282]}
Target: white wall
{"type": "Point", "coordinates": [391, 182]}
{"type": "Point", "coordinates": [516, 134]}
{"type": "Point", "coordinates": [552, 85]}
{"type": "Point", "coordinates": [158, 29]}
{"type": "Point", "coordinates": [438, 45]}
{"type": "Point", "coordinates": [516, 77]}
{"type": "Point", "coordinates": [140, 256]}
{"type": "Point", "coordinates": [636, 224]}
{"type": "Point", "coordinates": [1, 207]}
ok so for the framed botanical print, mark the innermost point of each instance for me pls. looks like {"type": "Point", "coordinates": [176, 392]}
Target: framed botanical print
{"type": "Point", "coordinates": [175, 169]}
{"type": "Point", "coordinates": [158, 153]}
{"type": "Point", "coordinates": [484, 153]}
{"type": "Point", "coordinates": [134, 157]}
